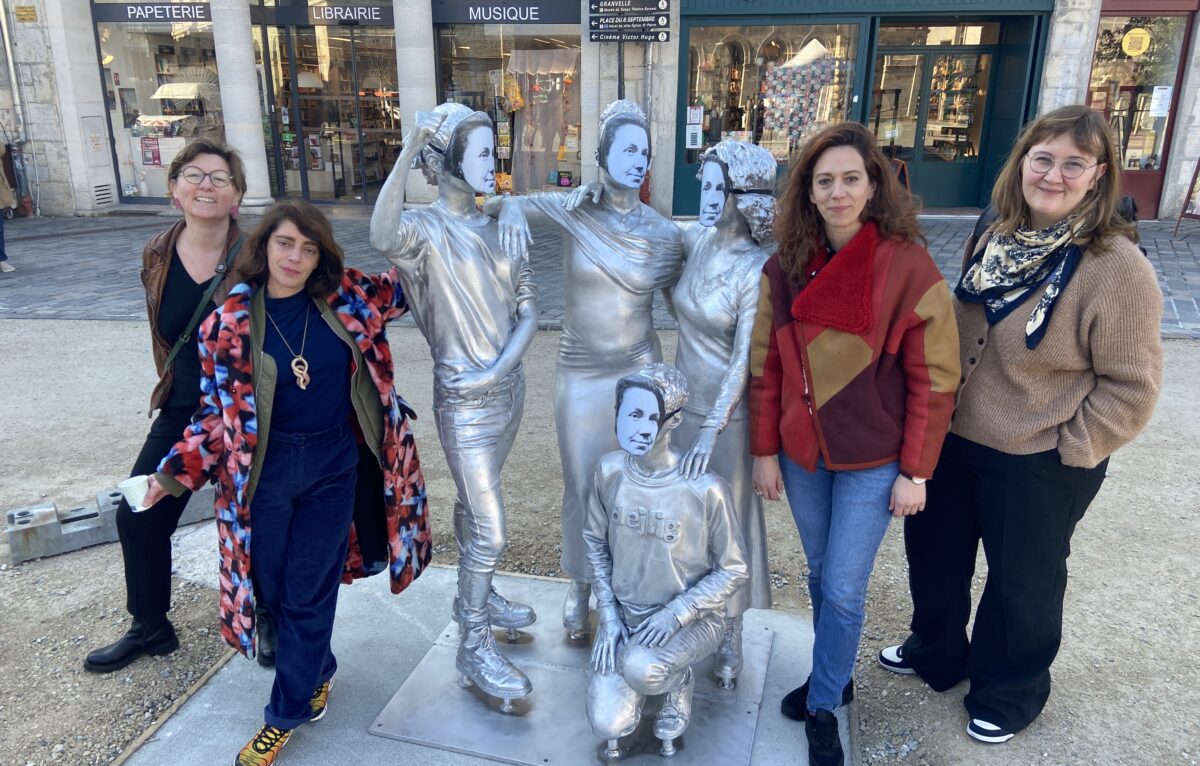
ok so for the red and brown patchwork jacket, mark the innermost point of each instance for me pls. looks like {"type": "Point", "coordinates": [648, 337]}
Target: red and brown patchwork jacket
{"type": "Point", "coordinates": [860, 366]}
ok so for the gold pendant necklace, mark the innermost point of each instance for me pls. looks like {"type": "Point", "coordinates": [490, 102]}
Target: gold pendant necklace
{"type": "Point", "coordinates": [299, 363]}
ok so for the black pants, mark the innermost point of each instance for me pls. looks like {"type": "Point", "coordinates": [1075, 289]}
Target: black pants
{"type": "Point", "coordinates": [146, 536]}
{"type": "Point", "coordinates": [1025, 508]}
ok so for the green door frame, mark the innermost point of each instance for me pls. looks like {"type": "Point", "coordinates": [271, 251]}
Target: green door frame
{"type": "Point", "coordinates": [778, 13]}
{"type": "Point", "coordinates": [929, 52]}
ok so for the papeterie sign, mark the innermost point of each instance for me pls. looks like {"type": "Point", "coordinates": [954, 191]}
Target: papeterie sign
{"type": "Point", "coordinates": [174, 12]}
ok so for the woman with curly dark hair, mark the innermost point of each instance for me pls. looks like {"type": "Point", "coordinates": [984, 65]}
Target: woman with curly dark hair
{"type": "Point", "coordinates": [854, 367]}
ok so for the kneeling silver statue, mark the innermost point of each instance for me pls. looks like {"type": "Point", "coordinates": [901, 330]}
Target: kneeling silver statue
{"type": "Point", "coordinates": [475, 306]}
{"type": "Point", "coordinates": [666, 555]}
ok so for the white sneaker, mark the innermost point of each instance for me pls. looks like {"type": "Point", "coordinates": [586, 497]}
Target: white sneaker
{"type": "Point", "coordinates": [988, 732]}
{"type": "Point", "coordinates": [892, 658]}
{"type": "Point", "coordinates": [6, 267]}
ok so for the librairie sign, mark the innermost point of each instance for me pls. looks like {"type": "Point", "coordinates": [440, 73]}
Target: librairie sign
{"type": "Point", "coordinates": [505, 12]}
{"type": "Point", "coordinates": [629, 21]}
{"type": "Point", "coordinates": [151, 12]}
{"type": "Point", "coordinates": [347, 14]}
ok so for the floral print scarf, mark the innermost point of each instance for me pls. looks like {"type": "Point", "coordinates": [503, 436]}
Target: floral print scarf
{"type": "Point", "coordinates": [1013, 266]}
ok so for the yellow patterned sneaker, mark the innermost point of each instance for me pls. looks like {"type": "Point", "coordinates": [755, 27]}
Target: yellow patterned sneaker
{"type": "Point", "coordinates": [264, 748]}
{"type": "Point", "coordinates": [320, 701]}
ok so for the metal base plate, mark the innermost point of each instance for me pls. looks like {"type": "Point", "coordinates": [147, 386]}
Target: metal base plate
{"type": "Point", "coordinates": [550, 727]}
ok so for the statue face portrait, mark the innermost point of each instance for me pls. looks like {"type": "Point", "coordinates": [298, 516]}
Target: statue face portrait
{"type": "Point", "coordinates": [638, 420]}
{"type": "Point", "coordinates": [478, 167]}
{"type": "Point", "coordinates": [712, 193]}
{"type": "Point", "coordinates": [628, 156]}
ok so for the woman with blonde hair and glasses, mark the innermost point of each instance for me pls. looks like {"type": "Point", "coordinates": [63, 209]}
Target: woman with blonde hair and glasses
{"type": "Point", "coordinates": [1058, 316]}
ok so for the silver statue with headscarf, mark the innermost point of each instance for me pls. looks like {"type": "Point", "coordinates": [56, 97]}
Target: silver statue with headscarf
{"type": "Point", "coordinates": [666, 555]}
{"type": "Point", "coordinates": [475, 305]}
{"type": "Point", "coordinates": [618, 253]}
{"type": "Point", "coordinates": [715, 303]}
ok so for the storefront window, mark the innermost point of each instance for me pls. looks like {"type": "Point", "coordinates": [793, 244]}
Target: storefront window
{"type": "Point", "coordinates": [527, 78]}
{"type": "Point", "coordinates": [343, 134]}
{"type": "Point", "coordinates": [160, 85]}
{"type": "Point", "coordinates": [774, 86]}
{"type": "Point", "coordinates": [1133, 83]}
{"type": "Point", "coordinates": [923, 35]}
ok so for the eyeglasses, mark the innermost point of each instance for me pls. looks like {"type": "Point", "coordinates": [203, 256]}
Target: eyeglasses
{"type": "Point", "coordinates": [1071, 168]}
{"type": "Point", "coordinates": [195, 176]}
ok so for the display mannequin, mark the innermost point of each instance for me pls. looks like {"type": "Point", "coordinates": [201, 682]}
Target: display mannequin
{"type": "Point", "coordinates": [666, 556]}
{"type": "Point", "coordinates": [475, 306]}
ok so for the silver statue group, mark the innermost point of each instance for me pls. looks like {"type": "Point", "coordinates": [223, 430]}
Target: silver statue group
{"type": "Point", "coordinates": [659, 519]}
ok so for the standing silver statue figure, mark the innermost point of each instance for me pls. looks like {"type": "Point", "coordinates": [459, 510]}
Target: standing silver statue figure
{"type": "Point", "coordinates": [715, 303]}
{"type": "Point", "coordinates": [618, 253]}
{"type": "Point", "coordinates": [476, 307]}
{"type": "Point", "coordinates": [666, 555]}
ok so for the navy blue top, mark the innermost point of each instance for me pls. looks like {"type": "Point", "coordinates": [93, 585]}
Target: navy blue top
{"type": "Point", "coordinates": [326, 401]}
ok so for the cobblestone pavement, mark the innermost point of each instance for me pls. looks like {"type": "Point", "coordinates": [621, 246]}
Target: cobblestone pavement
{"type": "Point", "coordinates": [87, 268]}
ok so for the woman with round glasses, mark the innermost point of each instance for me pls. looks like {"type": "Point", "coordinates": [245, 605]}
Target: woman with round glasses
{"type": "Point", "coordinates": [206, 182]}
{"type": "Point", "coordinates": [1058, 316]}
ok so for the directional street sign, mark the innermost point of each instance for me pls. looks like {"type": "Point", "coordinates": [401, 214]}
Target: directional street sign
{"type": "Point", "coordinates": [627, 36]}
{"type": "Point", "coordinates": [629, 21]}
{"type": "Point", "coordinates": [629, 6]}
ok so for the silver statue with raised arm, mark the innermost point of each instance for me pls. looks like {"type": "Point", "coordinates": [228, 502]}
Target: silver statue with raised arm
{"type": "Point", "coordinates": [666, 555]}
{"type": "Point", "coordinates": [475, 306]}
{"type": "Point", "coordinates": [715, 303]}
{"type": "Point", "coordinates": [618, 253]}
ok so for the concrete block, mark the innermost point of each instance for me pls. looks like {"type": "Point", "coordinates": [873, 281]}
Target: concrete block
{"type": "Point", "coordinates": [42, 530]}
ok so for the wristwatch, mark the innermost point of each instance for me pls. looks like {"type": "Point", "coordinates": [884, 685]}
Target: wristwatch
{"type": "Point", "coordinates": [914, 479]}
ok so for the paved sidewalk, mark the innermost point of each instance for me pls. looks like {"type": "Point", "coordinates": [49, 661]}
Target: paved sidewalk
{"type": "Point", "coordinates": [87, 268]}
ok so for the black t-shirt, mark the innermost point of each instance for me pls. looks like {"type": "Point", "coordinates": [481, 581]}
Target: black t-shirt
{"type": "Point", "coordinates": [179, 299]}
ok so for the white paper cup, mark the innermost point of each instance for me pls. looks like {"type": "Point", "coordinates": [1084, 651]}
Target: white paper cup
{"type": "Point", "coordinates": [134, 489]}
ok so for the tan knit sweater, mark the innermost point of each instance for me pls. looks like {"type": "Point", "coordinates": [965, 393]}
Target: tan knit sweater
{"type": "Point", "coordinates": [1089, 386]}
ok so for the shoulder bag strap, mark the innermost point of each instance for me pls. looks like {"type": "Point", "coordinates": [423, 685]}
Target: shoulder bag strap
{"type": "Point", "coordinates": [208, 294]}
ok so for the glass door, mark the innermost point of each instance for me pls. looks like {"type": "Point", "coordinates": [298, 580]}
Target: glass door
{"type": "Point", "coordinates": [896, 104]}
{"type": "Point", "coordinates": [332, 125]}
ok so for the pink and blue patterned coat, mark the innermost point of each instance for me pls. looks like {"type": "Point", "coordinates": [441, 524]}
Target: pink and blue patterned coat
{"type": "Point", "coordinates": [219, 444]}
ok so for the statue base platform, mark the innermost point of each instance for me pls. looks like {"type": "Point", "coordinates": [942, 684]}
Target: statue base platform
{"type": "Point", "coordinates": [550, 726]}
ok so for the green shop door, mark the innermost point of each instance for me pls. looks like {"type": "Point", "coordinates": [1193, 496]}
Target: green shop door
{"type": "Point", "coordinates": [929, 109]}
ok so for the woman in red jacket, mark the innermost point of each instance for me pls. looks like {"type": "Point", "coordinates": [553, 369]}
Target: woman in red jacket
{"type": "Point", "coordinates": [854, 365]}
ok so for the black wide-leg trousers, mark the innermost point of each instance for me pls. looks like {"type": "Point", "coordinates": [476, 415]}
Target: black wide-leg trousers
{"type": "Point", "coordinates": [146, 536]}
{"type": "Point", "coordinates": [1024, 508]}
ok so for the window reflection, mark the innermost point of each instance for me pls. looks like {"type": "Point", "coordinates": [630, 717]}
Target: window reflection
{"type": "Point", "coordinates": [772, 85]}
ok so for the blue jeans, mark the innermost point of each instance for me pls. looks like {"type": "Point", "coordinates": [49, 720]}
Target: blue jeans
{"type": "Point", "coordinates": [300, 527]}
{"type": "Point", "coordinates": [842, 517]}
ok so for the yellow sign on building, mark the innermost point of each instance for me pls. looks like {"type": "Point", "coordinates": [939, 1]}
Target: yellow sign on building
{"type": "Point", "coordinates": [1135, 42]}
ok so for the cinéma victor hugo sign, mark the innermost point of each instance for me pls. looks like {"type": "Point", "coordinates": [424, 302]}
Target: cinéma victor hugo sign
{"type": "Point", "coordinates": [505, 12]}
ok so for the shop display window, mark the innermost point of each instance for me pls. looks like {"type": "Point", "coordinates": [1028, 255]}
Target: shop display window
{"type": "Point", "coordinates": [160, 82]}
{"type": "Point", "coordinates": [774, 86]}
{"type": "Point", "coordinates": [527, 78]}
{"type": "Point", "coordinates": [1133, 83]}
{"type": "Point", "coordinates": [344, 131]}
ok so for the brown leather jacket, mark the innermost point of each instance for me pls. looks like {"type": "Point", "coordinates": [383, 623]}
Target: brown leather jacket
{"type": "Point", "coordinates": [156, 264]}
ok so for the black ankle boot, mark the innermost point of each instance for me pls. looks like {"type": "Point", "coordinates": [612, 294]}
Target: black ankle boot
{"type": "Point", "coordinates": [143, 637]}
{"type": "Point", "coordinates": [795, 702]}
{"type": "Point", "coordinates": [264, 626]}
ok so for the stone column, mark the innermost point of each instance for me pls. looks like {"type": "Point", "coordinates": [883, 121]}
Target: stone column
{"type": "Point", "coordinates": [1068, 62]}
{"type": "Point", "coordinates": [417, 82]}
{"type": "Point", "coordinates": [238, 77]}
